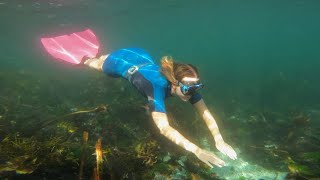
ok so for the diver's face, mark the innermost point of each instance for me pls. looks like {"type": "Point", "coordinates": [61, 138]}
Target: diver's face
{"type": "Point", "coordinates": [177, 89]}
{"type": "Point", "coordinates": [181, 95]}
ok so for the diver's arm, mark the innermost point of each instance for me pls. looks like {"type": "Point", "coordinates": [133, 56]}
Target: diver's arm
{"type": "Point", "coordinates": [214, 129]}
{"type": "Point", "coordinates": [162, 123]}
{"type": "Point", "coordinates": [208, 118]}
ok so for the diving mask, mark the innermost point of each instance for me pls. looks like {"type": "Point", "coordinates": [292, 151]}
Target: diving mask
{"type": "Point", "coordinates": [190, 89]}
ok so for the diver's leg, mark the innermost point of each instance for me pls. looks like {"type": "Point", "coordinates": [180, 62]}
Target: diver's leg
{"type": "Point", "coordinates": [96, 63]}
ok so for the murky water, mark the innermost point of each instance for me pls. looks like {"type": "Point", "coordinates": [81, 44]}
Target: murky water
{"type": "Point", "coordinates": [259, 61]}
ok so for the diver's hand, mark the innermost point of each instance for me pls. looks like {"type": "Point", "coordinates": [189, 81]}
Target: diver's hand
{"type": "Point", "coordinates": [226, 149]}
{"type": "Point", "coordinates": [209, 158]}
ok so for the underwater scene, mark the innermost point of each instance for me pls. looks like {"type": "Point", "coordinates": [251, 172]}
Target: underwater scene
{"type": "Point", "coordinates": [259, 62]}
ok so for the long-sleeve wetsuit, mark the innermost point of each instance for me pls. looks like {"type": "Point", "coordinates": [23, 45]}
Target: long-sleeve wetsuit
{"type": "Point", "coordinates": [138, 68]}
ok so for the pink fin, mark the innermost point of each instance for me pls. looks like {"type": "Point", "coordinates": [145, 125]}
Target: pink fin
{"type": "Point", "coordinates": [72, 48]}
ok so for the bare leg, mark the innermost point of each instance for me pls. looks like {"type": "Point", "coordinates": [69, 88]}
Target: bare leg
{"type": "Point", "coordinates": [96, 63]}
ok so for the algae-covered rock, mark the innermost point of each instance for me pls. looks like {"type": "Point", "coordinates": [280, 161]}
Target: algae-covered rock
{"type": "Point", "coordinates": [21, 165]}
{"type": "Point", "coordinates": [296, 168]}
{"type": "Point", "coordinates": [67, 126]}
{"type": "Point", "coordinates": [311, 157]}
{"type": "Point", "coordinates": [179, 173]}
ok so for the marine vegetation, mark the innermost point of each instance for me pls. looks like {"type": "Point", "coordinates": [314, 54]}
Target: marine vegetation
{"type": "Point", "coordinates": [25, 155]}
{"type": "Point", "coordinates": [147, 152]}
{"type": "Point", "coordinates": [47, 129]}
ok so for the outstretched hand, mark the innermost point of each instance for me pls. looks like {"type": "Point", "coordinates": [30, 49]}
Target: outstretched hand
{"type": "Point", "coordinates": [226, 149]}
{"type": "Point", "coordinates": [209, 158]}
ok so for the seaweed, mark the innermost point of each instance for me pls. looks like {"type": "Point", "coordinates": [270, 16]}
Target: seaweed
{"type": "Point", "coordinates": [147, 152]}
{"type": "Point", "coordinates": [42, 123]}
{"type": "Point", "coordinates": [25, 155]}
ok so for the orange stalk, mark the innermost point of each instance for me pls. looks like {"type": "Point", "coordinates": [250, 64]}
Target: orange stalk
{"type": "Point", "coordinates": [99, 158]}
{"type": "Point", "coordinates": [83, 158]}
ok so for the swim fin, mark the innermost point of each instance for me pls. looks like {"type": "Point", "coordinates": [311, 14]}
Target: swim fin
{"type": "Point", "coordinates": [72, 47]}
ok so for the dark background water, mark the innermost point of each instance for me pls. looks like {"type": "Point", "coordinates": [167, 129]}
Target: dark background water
{"type": "Point", "coordinates": [264, 52]}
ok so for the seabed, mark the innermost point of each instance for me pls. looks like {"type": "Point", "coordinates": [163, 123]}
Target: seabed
{"type": "Point", "coordinates": [89, 131]}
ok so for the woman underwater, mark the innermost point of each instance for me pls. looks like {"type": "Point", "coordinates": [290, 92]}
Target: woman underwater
{"type": "Point", "coordinates": [156, 84]}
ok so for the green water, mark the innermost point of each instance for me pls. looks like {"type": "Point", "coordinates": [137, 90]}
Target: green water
{"type": "Point", "coordinates": [259, 61]}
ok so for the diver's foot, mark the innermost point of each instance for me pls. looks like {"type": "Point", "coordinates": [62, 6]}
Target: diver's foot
{"type": "Point", "coordinates": [95, 63]}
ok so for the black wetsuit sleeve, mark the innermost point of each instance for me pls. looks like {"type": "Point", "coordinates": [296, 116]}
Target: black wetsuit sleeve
{"type": "Point", "coordinates": [195, 98]}
{"type": "Point", "coordinates": [156, 106]}
{"type": "Point", "coordinates": [155, 94]}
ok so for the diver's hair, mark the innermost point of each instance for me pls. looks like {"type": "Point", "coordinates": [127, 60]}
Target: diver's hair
{"type": "Point", "coordinates": [175, 72]}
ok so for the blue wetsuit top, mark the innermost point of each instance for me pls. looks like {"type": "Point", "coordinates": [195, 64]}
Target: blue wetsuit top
{"type": "Point", "coordinates": [147, 79]}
